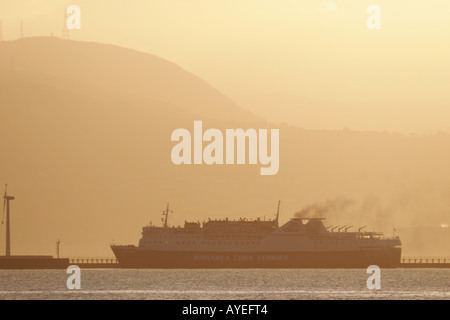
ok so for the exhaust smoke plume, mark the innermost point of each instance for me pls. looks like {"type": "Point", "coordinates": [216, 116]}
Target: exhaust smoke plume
{"type": "Point", "coordinates": [418, 216]}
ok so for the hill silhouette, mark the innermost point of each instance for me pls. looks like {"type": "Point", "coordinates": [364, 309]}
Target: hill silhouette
{"type": "Point", "coordinates": [116, 73]}
{"type": "Point", "coordinates": [85, 147]}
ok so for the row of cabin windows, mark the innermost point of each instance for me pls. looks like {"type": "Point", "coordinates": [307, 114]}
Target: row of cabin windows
{"type": "Point", "coordinates": [237, 242]}
{"type": "Point", "coordinates": [198, 237]}
{"type": "Point", "coordinates": [325, 238]}
{"type": "Point", "coordinates": [336, 242]}
{"type": "Point", "coordinates": [207, 242]}
{"type": "Point", "coordinates": [229, 242]}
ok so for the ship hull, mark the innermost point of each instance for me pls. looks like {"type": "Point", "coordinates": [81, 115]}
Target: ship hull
{"type": "Point", "coordinates": [133, 257]}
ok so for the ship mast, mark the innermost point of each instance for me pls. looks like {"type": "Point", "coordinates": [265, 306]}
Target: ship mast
{"type": "Point", "coordinates": [8, 234]}
{"type": "Point", "coordinates": [57, 248]}
{"type": "Point", "coordinates": [278, 212]}
{"type": "Point", "coordinates": [166, 214]}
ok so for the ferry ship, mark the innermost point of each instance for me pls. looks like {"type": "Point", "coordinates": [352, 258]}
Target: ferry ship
{"type": "Point", "coordinates": [299, 243]}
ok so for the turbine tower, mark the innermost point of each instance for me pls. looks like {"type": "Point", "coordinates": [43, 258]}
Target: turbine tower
{"type": "Point", "coordinates": [65, 30]}
{"type": "Point", "coordinates": [6, 201]}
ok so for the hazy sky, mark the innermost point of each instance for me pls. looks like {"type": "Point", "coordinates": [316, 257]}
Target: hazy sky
{"type": "Point", "coordinates": [396, 78]}
{"type": "Point", "coordinates": [310, 63]}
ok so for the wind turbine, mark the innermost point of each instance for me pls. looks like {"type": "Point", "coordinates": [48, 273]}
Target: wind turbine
{"type": "Point", "coordinates": [6, 200]}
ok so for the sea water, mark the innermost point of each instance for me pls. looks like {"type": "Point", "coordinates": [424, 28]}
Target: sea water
{"type": "Point", "coordinates": [227, 284]}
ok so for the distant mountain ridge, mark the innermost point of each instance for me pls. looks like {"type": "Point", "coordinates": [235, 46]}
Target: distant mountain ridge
{"type": "Point", "coordinates": [120, 72]}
